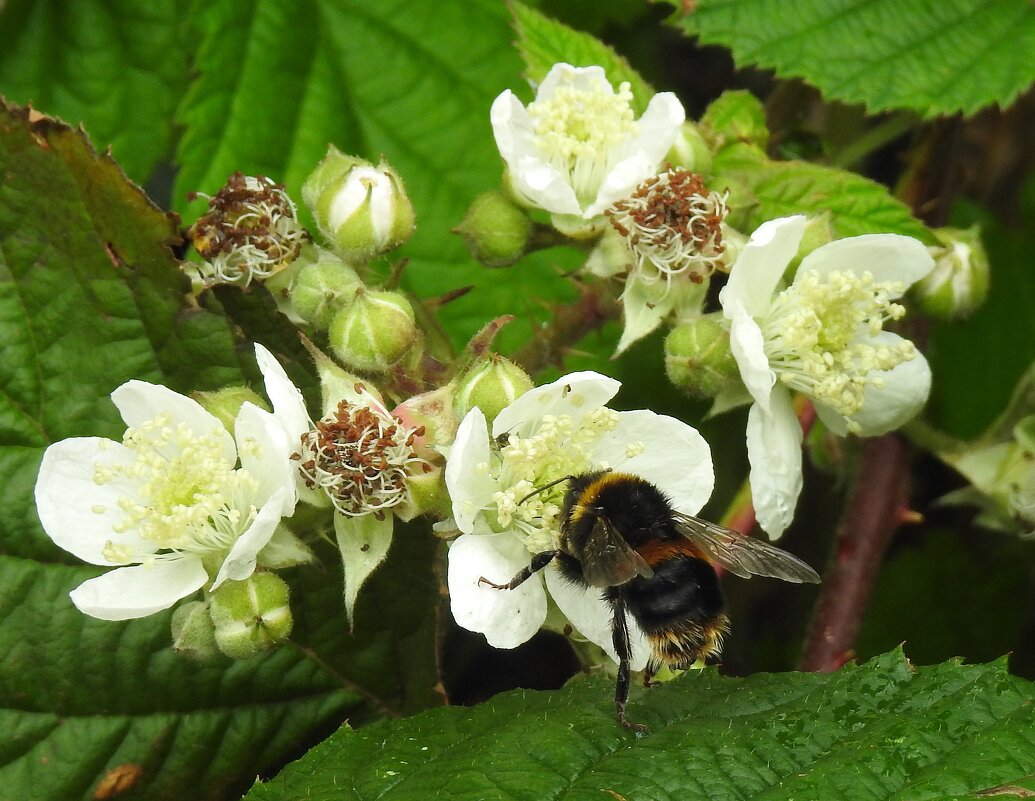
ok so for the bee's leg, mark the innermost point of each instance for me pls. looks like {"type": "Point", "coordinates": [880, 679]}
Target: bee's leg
{"type": "Point", "coordinates": [648, 676]}
{"type": "Point", "coordinates": [620, 638]}
{"type": "Point", "coordinates": [539, 561]}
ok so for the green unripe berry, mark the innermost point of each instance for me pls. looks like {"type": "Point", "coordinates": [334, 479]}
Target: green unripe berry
{"type": "Point", "coordinates": [225, 403]}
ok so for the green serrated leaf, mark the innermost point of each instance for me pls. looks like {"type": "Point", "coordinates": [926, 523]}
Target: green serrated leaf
{"type": "Point", "coordinates": [884, 730]}
{"type": "Point", "coordinates": [118, 66]}
{"type": "Point", "coordinates": [544, 42]}
{"type": "Point", "coordinates": [91, 296]}
{"type": "Point", "coordinates": [412, 82]}
{"type": "Point", "coordinates": [763, 190]}
{"type": "Point", "coordinates": [935, 58]}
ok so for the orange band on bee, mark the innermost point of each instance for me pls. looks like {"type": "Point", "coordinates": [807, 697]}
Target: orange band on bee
{"type": "Point", "coordinates": [657, 551]}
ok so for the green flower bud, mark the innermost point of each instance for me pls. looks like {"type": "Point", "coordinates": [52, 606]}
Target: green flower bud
{"type": "Point", "coordinates": [251, 616]}
{"type": "Point", "coordinates": [690, 151]}
{"type": "Point", "coordinates": [735, 116]}
{"type": "Point", "coordinates": [492, 384]}
{"type": "Point", "coordinates": [374, 332]}
{"type": "Point", "coordinates": [958, 284]}
{"type": "Point", "coordinates": [322, 288]}
{"type": "Point", "coordinates": [497, 231]}
{"type": "Point", "coordinates": [362, 210]}
{"type": "Point", "coordinates": [224, 404]}
{"type": "Point", "coordinates": [698, 358]}
{"type": "Point", "coordinates": [193, 632]}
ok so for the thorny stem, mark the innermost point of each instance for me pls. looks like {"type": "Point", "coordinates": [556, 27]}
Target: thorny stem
{"type": "Point", "coordinates": [595, 306]}
{"type": "Point", "coordinates": [874, 511]}
{"type": "Point", "coordinates": [379, 703]}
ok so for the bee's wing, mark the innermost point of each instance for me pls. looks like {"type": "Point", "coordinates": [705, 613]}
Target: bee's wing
{"type": "Point", "coordinates": [743, 555]}
{"type": "Point", "coordinates": [607, 559]}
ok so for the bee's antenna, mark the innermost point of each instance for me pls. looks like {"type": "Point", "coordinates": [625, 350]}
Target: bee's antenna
{"type": "Point", "coordinates": [545, 487]}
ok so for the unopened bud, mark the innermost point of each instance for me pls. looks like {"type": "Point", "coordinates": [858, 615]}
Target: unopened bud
{"type": "Point", "coordinates": [958, 284]}
{"type": "Point", "coordinates": [193, 632]}
{"type": "Point", "coordinates": [698, 358]}
{"type": "Point", "coordinates": [362, 210]}
{"type": "Point", "coordinates": [735, 116]}
{"type": "Point", "coordinates": [492, 384]}
{"type": "Point", "coordinates": [690, 150]}
{"type": "Point", "coordinates": [323, 286]}
{"type": "Point", "coordinates": [250, 231]}
{"type": "Point", "coordinates": [373, 332]}
{"type": "Point", "coordinates": [251, 616]}
{"type": "Point", "coordinates": [224, 404]}
{"type": "Point", "coordinates": [496, 230]}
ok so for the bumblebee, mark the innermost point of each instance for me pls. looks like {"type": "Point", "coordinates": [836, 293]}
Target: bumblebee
{"type": "Point", "coordinates": [620, 533]}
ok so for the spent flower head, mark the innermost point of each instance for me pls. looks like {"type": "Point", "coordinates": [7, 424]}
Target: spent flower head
{"type": "Point", "coordinates": [357, 458]}
{"type": "Point", "coordinates": [822, 336]}
{"type": "Point", "coordinates": [550, 432]}
{"type": "Point", "coordinates": [177, 505]}
{"type": "Point", "coordinates": [249, 232]}
{"type": "Point", "coordinates": [672, 225]}
{"type": "Point", "coordinates": [578, 147]}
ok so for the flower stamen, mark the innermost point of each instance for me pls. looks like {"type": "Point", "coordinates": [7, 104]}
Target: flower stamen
{"type": "Point", "coordinates": [672, 225]}
{"type": "Point", "coordinates": [360, 458]}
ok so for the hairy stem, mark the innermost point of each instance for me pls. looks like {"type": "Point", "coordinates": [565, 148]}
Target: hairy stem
{"type": "Point", "coordinates": [594, 307]}
{"type": "Point", "coordinates": [346, 683]}
{"type": "Point", "coordinates": [876, 508]}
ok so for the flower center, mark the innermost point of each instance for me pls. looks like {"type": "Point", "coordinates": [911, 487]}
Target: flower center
{"type": "Point", "coordinates": [188, 496]}
{"type": "Point", "coordinates": [360, 458]}
{"type": "Point", "coordinates": [250, 231]}
{"type": "Point", "coordinates": [673, 226]}
{"type": "Point", "coordinates": [814, 337]}
{"type": "Point", "coordinates": [581, 131]}
{"type": "Point", "coordinates": [558, 447]}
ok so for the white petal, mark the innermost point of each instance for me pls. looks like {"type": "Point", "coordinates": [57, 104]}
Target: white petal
{"type": "Point", "coordinates": [748, 346]}
{"type": "Point", "coordinates": [288, 404]}
{"type": "Point", "coordinates": [139, 402]}
{"type": "Point", "coordinates": [468, 481]}
{"type": "Point", "coordinates": [507, 618]}
{"type": "Point", "coordinates": [78, 514]}
{"type": "Point", "coordinates": [263, 447]}
{"type": "Point", "coordinates": [576, 394]}
{"type": "Point", "coordinates": [774, 451]}
{"type": "Point", "coordinates": [588, 612]}
{"type": "Point", "coordinates": [657, 130]}
{"type": "Point", "coordinates": [582, 79]}
{"type": "Point", "coordinates": [667, 452]}
{"type": "Point", "coordinates": [240, 562]}
{"type": "Point", "coordinates": [761, 264]}
{"type": "Point", "coordinates": [543, 185]}
{"type": "Point", "coordinates": [903, 395]}
{"type": "Point", "coordinates": [889, 257]}
{"type": "Point", "coordinates": [540, 183]}
{"type": "Point", "coordinates": [659, 126]}
{"type": "Point", "coordinates": [620, 182]}
{"type": "Point", "coordinates": [131, 592]}
{"type": "Point", "coordinates": [364, 543]}
{"type": "Point", "coordinates": [644, 306]}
